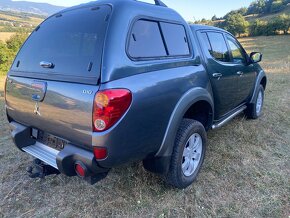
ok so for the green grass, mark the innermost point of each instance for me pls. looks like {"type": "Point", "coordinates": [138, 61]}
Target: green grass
{"type": "Point", "coordinates": [246, 171]}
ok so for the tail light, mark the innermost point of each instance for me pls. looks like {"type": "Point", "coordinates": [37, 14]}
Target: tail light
{"type": "Point", "coordinates": [109, 106]}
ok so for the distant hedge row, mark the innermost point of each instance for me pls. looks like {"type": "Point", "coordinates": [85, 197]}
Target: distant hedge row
{"type": "Point", "coordinates": [237, 25]}
{"type": "Point", "coordinates": [235, 21]}
{"type": "Point", "coordinates": [260, 7]}
{"type": "Point", "coordinates": [272, 27]}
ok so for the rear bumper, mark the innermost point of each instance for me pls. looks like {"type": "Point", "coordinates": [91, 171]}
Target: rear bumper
{"type": "Point", "coordinates": [63, 160]}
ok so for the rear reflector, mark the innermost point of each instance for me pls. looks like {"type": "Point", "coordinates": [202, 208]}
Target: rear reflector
{"type": "Point", "coordinates": [100, 153]}
{"type": "Point", "coordinates": [80, 170]}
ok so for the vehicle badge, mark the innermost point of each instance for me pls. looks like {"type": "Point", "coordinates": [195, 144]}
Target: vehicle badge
{"type": "Point", "coordinates": [36, 109]}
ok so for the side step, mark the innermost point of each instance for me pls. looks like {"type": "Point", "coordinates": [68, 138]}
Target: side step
{"type": "Point", "coordinates": [43, 153]}
{"type": "Point", "coordinates": [226, 120]}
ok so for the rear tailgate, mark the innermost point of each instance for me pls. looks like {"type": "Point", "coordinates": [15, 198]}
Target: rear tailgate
{"type": "Point", "coordinates": [65, 110]}
{"type": "Point", "coordinates": [53, 80]}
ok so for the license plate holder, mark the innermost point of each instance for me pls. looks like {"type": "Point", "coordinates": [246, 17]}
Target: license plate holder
{"type": "Point", "coordinates": [50, 140]}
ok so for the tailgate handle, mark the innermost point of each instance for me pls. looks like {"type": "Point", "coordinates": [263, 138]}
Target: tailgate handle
{"type": "Point", "coordinates": [240, 73]}
{"type": "Point", "coordinates": [217, 75]}
{"type": "Point", "coordinates": [46, 64]}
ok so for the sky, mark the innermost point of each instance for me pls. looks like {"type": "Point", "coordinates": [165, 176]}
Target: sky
{"type": "Point", "coordinates": [191, 10]}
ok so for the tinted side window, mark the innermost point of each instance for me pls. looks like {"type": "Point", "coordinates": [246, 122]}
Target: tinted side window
{"type": "Point", "coordinates": [237, 52]}
{"type": "Point", "coordinates": [205, 40]}
{"type": "Point", "coordinates": [146, 40]}
{"type": "Point", "coordinates": [175, 39]}
{"type": "Point", "coordinates": [219, 48]}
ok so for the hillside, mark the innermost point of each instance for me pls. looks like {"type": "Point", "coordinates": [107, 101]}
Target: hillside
{"type": "Point", "coordinates": [29, 7]}
{"type": "Point", "coordinates": [253, 17]}
{"type": "Point", "coordinates": [18, 21]}
{"type": "Point", "coordinates": [268, 17]}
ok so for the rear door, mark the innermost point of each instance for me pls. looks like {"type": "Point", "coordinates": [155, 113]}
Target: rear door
{"type": "Point", "coordinates": [223, 79]}
{"type": "Point", "coordinates": [54, 77]}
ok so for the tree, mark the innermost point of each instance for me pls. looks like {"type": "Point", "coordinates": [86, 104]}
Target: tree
{"type": "Point", "coordinates": [277, 6]}
{"type": "Point", "coordinates": [282, 23]}
{"type": "Point", "coordinates": [242, 11]}
{"type": "Point", "coordinates": [229, 14]}
{"type": "Point", "coordinates": [214, 18]}
{"type": "Point", "coordinates": [257, 7]}
{"type": "Point", "coordinates": [204, 22]}
{"type": "Point", "coordinates": [267, 6]}
{"type": "Point", "coordinates": [9, 49]}
{"type": "Point", "coordinates": [236, 24]}
{"type": "Point", "coordinates": [258, 28]}
{"type": "Point", "coordinates": [16, 40]}
{"type": "Point", "coordinates": [5, 58]}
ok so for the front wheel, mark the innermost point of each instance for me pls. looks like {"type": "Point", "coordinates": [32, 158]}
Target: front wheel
{"type": "Point", "coordinates": [254, 110]}
{"type": "Point", "coordinates": [188, 154]}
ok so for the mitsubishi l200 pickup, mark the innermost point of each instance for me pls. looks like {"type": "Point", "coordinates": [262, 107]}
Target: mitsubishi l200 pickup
{"type": "Point", "coordinates": [111, 82]}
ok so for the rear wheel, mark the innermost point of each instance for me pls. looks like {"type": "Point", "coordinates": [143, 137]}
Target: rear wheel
{"type": "Point", "coordinates": [188, 154]}
{"type": "Point", "coordinates": [254, 110]}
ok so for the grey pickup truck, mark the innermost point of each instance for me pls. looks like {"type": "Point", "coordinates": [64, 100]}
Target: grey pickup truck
{"type": "Point", "coordinates": [112, 82]}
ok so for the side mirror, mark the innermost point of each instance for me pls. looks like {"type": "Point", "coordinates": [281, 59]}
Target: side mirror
{"type": "Point", "coordinates": [256, 57]}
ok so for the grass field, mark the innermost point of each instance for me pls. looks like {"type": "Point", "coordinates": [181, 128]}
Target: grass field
{"type": "Point", "coordinates": [12, 22]}
{"type": "Point", "coordinates": [25, 20]}
{"type": "Point", "coordinates": [246, 171]}
{"type": "Point", "coordinates": [22, 18]}
{"type": "Point", "coordinates": [5, 36]}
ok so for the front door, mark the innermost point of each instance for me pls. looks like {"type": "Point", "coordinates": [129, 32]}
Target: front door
{"type": "Point", "coordinates": [224, 79]}
{"type": "Point", "coordinates": [245, 72]}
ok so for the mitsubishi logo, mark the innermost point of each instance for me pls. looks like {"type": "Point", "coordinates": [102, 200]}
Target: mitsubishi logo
{"type": "Point", "coordinates": [36, 109]}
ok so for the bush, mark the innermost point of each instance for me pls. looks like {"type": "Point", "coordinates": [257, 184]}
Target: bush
{"type": "Point", "coordinates": [16, 41]}
{"type": "Point", "coordinates": [284, 22]}
{"type": "Point", "coordinates": [280, 23]}
{"type": "Point", "coordinates": [9, 49]}
{"type": "Point", "coordinates": [258, 28]}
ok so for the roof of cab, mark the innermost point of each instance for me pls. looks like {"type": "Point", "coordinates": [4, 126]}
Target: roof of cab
{"type": "Point", "coordinates": [197, 27]}
{"type": "Point", "coordinates": [134, 6]}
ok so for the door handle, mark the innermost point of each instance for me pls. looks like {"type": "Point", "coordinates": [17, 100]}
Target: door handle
{"type": "Point", "coordinates": [46, 64]}
{"type": "Point", "coordinates": [240, 73]}
{"type": "Point", "coordinates": [217, 75]}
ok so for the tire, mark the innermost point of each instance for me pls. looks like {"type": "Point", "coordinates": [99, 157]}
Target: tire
{"type": "Point", "coordinates": [188, 154]}
{"type": "Point", "coordinates": [254, 110]}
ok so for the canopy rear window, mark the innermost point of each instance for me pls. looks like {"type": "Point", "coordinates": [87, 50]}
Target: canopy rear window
{"type": "Point", "coordinates": [71, 41]}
